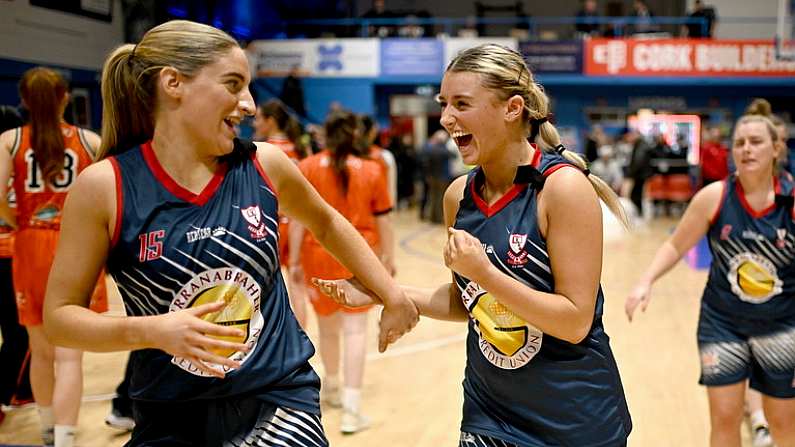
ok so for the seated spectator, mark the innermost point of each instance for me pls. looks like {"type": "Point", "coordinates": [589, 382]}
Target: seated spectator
{"type": "Point", "coordinates": [585, 25]}
{"type": "Point", "coordinates": [378, 11]}
{"type": "Point", "coordinates": [697, 30]}
{"type": "Point", "coordinates": [643, 14]}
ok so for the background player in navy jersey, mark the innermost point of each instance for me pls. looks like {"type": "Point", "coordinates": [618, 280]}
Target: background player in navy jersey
{"type": "Point", "coordinates": [185, 217]}
{"type": "Point", "coordinates": [746, 329]}
{"type": "Point", "coordinates": [539, 367]}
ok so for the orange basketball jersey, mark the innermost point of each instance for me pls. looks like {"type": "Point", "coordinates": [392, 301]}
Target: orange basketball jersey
{"type": "Point", "coordinates": [285, 145]}
{"type": "Point", "coordinates": [367, 198]}
{"type": "Point", "coordinates": [39, 203]}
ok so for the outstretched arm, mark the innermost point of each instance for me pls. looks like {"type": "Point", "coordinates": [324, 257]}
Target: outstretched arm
{"type": "Point", "coordinates": [441, 303]}
{"type": "Point", "coordinates": [693, 226]}
{"type": "Point", "coordinates": [299, 200]}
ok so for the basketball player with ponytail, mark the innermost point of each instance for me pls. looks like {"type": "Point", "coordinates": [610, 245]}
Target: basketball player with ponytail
{"type": "Point", "coordinates": [746, 328]}
{"type": "Point", "coordinates": [45, 158]}
{"type": "Point", "coordinates": [525, 250]}
{"type": "Point", "coordinates": [184, 215]}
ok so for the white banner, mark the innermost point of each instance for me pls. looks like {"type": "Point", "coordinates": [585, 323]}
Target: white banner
{"type": "Point", "coordinates": [453, 45]}
{"type": "Point", "coordinates": [315, 57]}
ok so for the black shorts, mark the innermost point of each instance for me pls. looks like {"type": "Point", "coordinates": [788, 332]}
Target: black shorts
{"type": "Point", "coordinates": [734, 349]}
{"type": "Point", "coordinates": [227, 422]}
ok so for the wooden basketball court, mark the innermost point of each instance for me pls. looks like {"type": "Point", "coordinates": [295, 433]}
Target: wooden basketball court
{"type": "Point", "coordinates": [413, 392]}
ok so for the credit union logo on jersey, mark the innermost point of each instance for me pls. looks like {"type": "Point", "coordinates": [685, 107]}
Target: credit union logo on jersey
{"type": "Point", "coordinates": [505, 340]}
{"type": "Point", "coordinates": [753, 278]}
{"type": "Point", "coordinates": [241, 293]}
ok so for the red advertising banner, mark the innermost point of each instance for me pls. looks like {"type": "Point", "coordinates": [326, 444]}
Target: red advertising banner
{"type": "Point", "coordinates": [683, 57]}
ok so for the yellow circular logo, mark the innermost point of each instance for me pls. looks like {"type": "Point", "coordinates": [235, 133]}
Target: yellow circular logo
{"type": "Point", "coordinates": [753, 278]}
{"type": "Point", "coordinates": [241, 293]}
{"type": "Point", "coordinates": [506, 340]}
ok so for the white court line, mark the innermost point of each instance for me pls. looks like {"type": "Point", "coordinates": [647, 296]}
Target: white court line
{"type": "Point", "coordinates": [417, 347]}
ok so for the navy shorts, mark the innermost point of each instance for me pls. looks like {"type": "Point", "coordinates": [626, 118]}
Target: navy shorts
{"type": "Point", "coordinates": [734, 349]}
{"type": "Point", "coordinates": [238, 421]}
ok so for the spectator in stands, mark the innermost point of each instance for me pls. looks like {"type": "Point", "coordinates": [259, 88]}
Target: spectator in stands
{"type": "Point", "coordinates": [402, 146]}
{"type": "Point", "coordinates": [705, 29]}
{"type": "Point", "coordinates": [585, 25]}
{"type": "Point", "coordinates": [714, 157]}
{"type": "Point", "coordinates": [643, 16]}
{"type": "Point", "coordinates": [607, 167]}
{"type": "Point", "coordinates": [639, 169]}
{"type": "Point", "coordinates": [292, 94]}
{"type": "Point", "coordinates": [436, 160]}
{"type": "Point", "coordinates": [593, 140]}
{"type": "Point", "coordinates": [378, 11]}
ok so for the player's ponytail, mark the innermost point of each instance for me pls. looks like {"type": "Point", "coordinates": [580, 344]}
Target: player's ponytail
{"type": "Point", "coordinates": [504, 71]}
{"type": "Point", "coordinates": [131, 72]}
{"type": "Point", "coordinates": [341, 140]}
{"type": "Point", "coordinates": [44, 91]}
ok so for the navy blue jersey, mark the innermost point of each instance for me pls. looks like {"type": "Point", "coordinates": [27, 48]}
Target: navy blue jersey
{"type": "Point", "coordinates": [521, 385]}
{"type": "Point", "coordinates": [176, 250]}
{"type": "Point", "coordinates": [752, 273]}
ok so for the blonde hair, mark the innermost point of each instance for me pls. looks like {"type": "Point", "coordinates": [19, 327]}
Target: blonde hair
{"type": "Point", "coordinates": [504, 71]}
{"type": "Point", "coordinates": [130, 74]}
{"type": "Point", "coordinates": [759, 111]}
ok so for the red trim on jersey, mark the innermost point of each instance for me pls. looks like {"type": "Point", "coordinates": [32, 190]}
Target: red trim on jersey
{"type": "Point", "coordinates": [503, 201]}
{"type": "Point", "coordinates": [262, 173]}
{"type": "Point", "coordinates": [499, 204]}
{"type": "Point", "coordinates": [761, 213]}
{"type": "Point", "coordinates": [119, 201]}
{"type": "Point", "coordinates": [174, 187]}
{"type": "Point", "coordinates": [536, 155]}
{"type": "Point", "coordinates": [555, 168]}
{"type": "Point", "coordinates": [723, 193]}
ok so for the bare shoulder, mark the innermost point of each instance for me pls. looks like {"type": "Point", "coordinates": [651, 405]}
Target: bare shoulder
{"type": "Point", "coordinates": [568, 184]}
{"type": "Point", "coordinates": [93, 139]}
{"type": "Point", "coordinates": [452, 197]}
{"type": "Point", "coordinates": [707, 199]}
{"type": "Point", "coordinates": [7, 139]}
{"type": "Point", "coordinates": [455, 192]}
{"type": "Point", "coordinates": [100, 176]}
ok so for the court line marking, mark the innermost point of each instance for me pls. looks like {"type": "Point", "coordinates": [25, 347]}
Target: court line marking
{"type": "Point", "coordinates": [417, 347]}
{"type": "Point", "coordinates": [409, 238]}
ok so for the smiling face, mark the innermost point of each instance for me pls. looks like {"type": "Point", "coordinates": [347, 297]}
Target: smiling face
{"type": "Point", "coordinates": [473, 115]}
{"type": "Point", "coordinates": [754, 149]}
{"type": "Point", "coordinates": [215, 101]}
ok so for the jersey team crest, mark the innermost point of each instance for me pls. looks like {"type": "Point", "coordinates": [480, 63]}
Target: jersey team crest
{"type": "Point", "coordinates": [256, 226]}
{"type": "Point", "coordinates": [241, 293]}
{"type": "Point", "coordinates": [506, 341]}
{"type": "Point", "coordinates": [517, 256]}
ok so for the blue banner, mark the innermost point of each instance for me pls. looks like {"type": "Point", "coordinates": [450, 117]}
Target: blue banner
{"type": "Point", "coordinates": [553, 57]}
{"type": "Point", "coordinates": [406, 57]}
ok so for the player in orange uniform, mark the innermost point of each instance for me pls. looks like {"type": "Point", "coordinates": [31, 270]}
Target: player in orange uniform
{"type": "Point", "coordinates": [44, 158]}
{"type": "Point", "coordinates": [273, 124]}
{"type": "Point", "coordinates": [357, 189]}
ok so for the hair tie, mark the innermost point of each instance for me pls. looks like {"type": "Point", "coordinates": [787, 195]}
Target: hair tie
{"type": "Point", "coordinates": [536, 122]}
{"type": "Point", "coordinates": [560, 149]}
{"type": "Point", "coordinates": [586, 171]}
